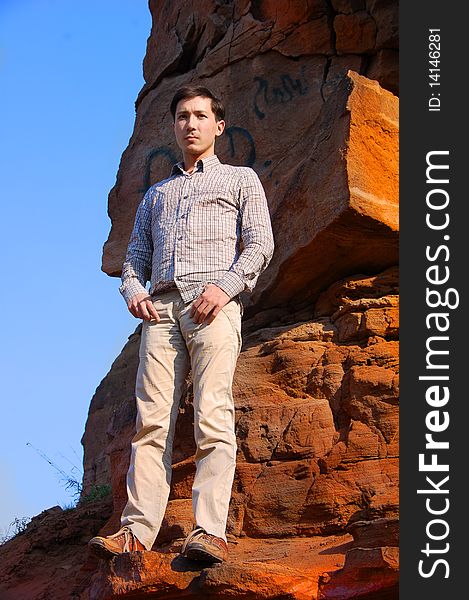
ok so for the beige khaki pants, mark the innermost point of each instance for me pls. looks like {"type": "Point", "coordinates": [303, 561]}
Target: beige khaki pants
{"type": "Point", "coordinates": [168, 350]}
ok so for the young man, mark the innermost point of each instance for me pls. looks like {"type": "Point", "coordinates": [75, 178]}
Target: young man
{"type": "Point", "coordinates": [201, 237]}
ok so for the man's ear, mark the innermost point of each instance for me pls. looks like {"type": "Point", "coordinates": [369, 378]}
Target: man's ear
{"type": "Point", "coordinates": [220, 127]}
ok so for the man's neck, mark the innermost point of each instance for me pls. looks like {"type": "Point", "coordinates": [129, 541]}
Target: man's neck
{"type": "Point", "coordinates": [190, 161]}
{"type": "Point", "coordinates": [190, 169]}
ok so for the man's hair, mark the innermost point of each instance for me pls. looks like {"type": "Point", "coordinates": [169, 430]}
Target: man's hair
{"type": "Point", "coordinates": [191, 91]}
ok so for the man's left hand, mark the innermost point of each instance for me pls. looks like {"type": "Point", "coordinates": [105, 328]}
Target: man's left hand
{"type": "Point", "coordinates": [210, 302]}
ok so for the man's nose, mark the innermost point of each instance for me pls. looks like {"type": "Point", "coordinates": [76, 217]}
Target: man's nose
{"type": "Point", "coordinates": [190, 123]}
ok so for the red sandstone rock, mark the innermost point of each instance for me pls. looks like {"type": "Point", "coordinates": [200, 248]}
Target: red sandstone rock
{"type": "Point", "coordinates": [111, 394]}
{"type": "Point", "coordinates": [386, 17]}
{"type": "Point", "coordinates": [342, 217]}
{"type": "Point", "coordinates": [317, 434]}
{"type": "Point", "coordinates": [338, 69]}
{"type": "Point", "coordinates": [376, 533]}
{"type": "Point", "coordinates": [317, 381]}
{"type": "Point", "coordinates": [384, 67]}
{"type": "Point", "coordinates": [313, 37]}
{"type": "Point", "coordinates": [340, 200]}
{"type": "Point", "coordinates": [269, 64]}
{"type": "Point", "coordinates": [367, 571]}
{"type": "Point", "coordinates": [260, 570]}
{"type": "Point", "coordinates": [316, 424]}
{"type": "Point", "coordinates": [348, 7]}
{"type": "Point", "coordinates": [355, 32]}
{"type": "Point", "coordinates": [50, 559]}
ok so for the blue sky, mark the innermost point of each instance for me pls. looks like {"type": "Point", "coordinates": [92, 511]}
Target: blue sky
{"type": "Point", "coordinates": [69, 73]}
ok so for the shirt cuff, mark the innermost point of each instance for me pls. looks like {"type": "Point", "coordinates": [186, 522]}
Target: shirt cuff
{"type": "Point", "coordinates": [231, 284]}
{"type": "Point", "coordinates": [129, 289]}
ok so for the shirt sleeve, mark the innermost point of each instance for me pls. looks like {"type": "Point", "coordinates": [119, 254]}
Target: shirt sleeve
{"type": "Point", "coordinates": [256, 235]}
{"type": "Point", "coordinates": [136, 270]}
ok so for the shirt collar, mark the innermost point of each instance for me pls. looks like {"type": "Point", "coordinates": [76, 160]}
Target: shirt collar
{"type": "Point", "coordinates": [204, 164]}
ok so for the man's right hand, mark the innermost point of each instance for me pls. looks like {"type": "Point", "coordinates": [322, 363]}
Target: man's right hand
{"type": "Point", "coordinates": [142, 307]}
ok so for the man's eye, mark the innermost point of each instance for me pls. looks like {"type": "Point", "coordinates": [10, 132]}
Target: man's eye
{"type": "Point", "coordinates": [203, 116]}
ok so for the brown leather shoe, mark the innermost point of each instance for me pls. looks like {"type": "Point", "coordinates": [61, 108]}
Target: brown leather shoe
{"type": "Point", "coordinates": [204, 547]}
{"type": "Point", "coordinates": [118, 543]}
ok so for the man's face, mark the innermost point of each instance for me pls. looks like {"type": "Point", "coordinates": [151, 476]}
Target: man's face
{"type": "Point", "coordinates": [196, 128]}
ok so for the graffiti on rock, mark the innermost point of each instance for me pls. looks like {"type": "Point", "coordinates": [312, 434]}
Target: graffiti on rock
{"type": "Point", "coordinates": [285, 89]}
{"type": "Point", "coordinates": [158, 161]}
{"type": "Point", "coordinates": [241, 146]}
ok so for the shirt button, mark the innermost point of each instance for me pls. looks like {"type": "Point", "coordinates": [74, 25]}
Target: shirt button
{"type": "Point", "coordinates": [186, 196]}
{"type": "Point", "coordinates": [180, 237]}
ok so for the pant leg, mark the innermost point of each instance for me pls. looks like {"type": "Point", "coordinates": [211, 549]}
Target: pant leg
{"type": "Point", "coordinates": [213, 351]}
{"type": "Point", "coordinates": [163, 367]}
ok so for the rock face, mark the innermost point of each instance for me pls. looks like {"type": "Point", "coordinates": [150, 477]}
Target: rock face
{"type": "Point", "coordinates": [50, 560]}
{"type": "Point", "coordinates": [341, 217]}
{"type": "Point", "coordinates": [316, 395]}
{"type": "Point", "coordinates": [274, 68]}
{"type": "Point", "coordinates": [309, 90]}
{"type": "Point", "coordinates": [315, 500]}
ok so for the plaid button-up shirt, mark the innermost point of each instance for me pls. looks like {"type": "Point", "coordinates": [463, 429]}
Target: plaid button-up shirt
{"type": "Point", "coordinates": [211, 226]}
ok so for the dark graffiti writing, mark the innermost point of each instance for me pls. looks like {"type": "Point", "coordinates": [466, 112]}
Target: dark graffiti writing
{"type": "Point", "coordinates": [284, 90]}
{"type": "Point", "coordinates": [158, 166]}
{"type": "Point", "coordinates": [241, 147]}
